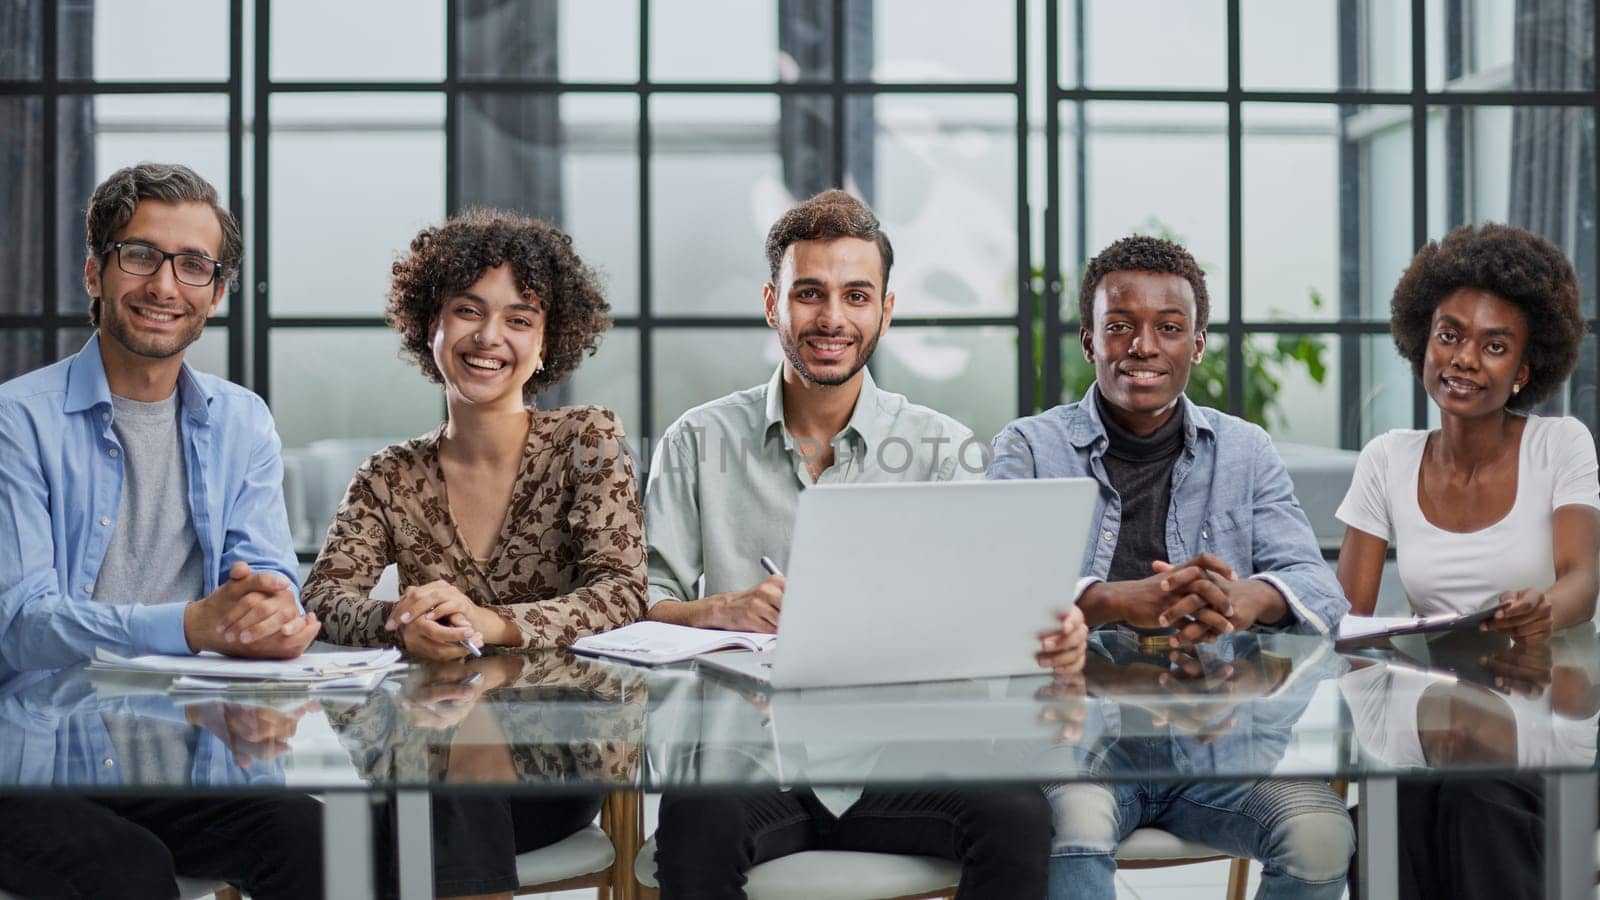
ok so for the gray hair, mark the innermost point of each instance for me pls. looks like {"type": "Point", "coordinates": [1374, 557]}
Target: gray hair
{"type": "Point", "coordinates": [113, 202]}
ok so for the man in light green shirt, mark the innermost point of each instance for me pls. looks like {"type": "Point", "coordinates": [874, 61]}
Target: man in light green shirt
{"type": "Point", "coordinates": [723, 489]}
{"type": "Point", "coordinates": [727, 476]}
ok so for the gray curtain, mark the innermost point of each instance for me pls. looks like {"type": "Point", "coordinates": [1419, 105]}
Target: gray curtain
{"type": "Point", "coordinates": [1552, 150]}
{"type": "Point", "coordinates": [509, 145]}
{"type": "Point", "coordinates": [806, 32]}
{"type": "Point", "coordinates": [25, 191]}
{"type": "Point", "coordinates": [22, 194]}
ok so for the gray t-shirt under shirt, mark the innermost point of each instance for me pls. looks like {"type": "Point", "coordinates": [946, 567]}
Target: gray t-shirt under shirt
{"type": "Point", "coordinates": [154, 555]}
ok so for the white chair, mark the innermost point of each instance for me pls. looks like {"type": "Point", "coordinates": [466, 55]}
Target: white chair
{"type": "Point", "coordinates": [1152, 848]}
{"type": "Point", "coordinates": [829, 875]}
{"type": "Point", "coordinates": [592, 858]}
{"type": "Point", "coordinates": [840, 875]}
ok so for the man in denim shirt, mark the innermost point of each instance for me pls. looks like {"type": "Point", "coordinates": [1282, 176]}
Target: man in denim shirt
{"type": "Point", "coordinates": [1197, 529]}
{"type": "Point", "coordinates": [142, 510]}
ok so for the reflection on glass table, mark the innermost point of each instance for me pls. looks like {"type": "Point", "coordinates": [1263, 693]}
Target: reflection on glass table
{"type": "Point", "coordinates": [537, 720]}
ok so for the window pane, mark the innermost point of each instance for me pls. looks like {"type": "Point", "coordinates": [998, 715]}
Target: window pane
{"type": "Point", "coordinates": [967, 373]}
{"type": "Point", "coordinates": [1580, 397]}
{"type": "Point", "coordinates": [941, 174]}
{"type": "Point", "coordinates": [21, 350]}
{"type": "Point", "coordinates": [1163, 43]}
{"type": "Point", "coordinates": [569, 40]}
{"type": "Point", "coordinates": [1291, 211]}
{"type": "Point", "coordinates": [571, 159]}
{"type": "Point", "coordinates": [358, 40]}
{"type": "Point", "coordinates": [106, 132]}
{"type": "Point", "coordinates": [929, 41]}
{"type": "Point", "coordinates": [1386, 387]}
{"type": "Point", "coordinates": [610, 379]}
{"type": "Point", "coordinates": [22, 206]}
{"type": "Point", "coordinates": [1499, 45]}
{"type": "Point", "coordinates": [749, 41]}
{"type": "Point", "coordinates": [1296, 46]}
{"type": "Point", "coordinates": [1385, 215]}
{"type": "Point", "coordinates": [21, 34]}
{"type": "Point", "coordinates": [348, 382]}
{"type": "Point", "coordinates": [353, 180]}
{"type": "Point", "coordinates": [1161, 169]}
{"type": "Point", "coordinates": [209, 354]}
{"type": "Point", "coordinates": [1528, 166]}
{"type": "Point", "coordinates": [1291, 384]}
{"type": "Point", "coordinates": [716, 187]}
{"type": "Point", "coordinates": [697, 365]}
{"type": "Point", "coordinates": [182, 40]}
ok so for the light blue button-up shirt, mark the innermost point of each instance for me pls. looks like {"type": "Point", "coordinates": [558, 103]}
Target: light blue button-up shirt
{"type": "Point", "coordinates": [1231, 497]}
{"type": "Point", "coordinates": [61, 472]}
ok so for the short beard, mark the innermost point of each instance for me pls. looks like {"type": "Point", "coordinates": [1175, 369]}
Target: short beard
{"type": "Point", "coordinates": [791, 350]}
{"type": "Point", "coordinates": [114, 323]}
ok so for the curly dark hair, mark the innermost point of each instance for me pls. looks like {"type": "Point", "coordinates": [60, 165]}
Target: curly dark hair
{"type": "Point", "coordinates": [1515, 265]}
{"type": "Point", "coordinates": [828, 215]}
{"type": "Point", "coordinates": [1142, 253]}
{"type": "Point", "coordinates": [452, 257]}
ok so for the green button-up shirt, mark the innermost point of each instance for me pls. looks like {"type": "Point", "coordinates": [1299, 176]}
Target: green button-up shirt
{"type": "Point", "coordinates": [726, 478]}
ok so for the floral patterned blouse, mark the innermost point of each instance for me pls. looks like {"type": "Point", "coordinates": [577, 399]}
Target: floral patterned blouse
{"type": "Point", "coordinates": [570, 559]}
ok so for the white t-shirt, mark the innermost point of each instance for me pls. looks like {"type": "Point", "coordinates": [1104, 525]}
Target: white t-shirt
{"type": "Point", "coordinates": [1453, 571]}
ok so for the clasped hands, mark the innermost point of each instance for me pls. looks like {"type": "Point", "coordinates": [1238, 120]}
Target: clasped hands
{"type": "Point", "coordinates": [1203, 598]}
{"type": "Point", "coordinates": [251, 733]}
{"type": "Point", "coordinates": [435, 618]}
{"type": "Point", "coordinates": [251, 614]}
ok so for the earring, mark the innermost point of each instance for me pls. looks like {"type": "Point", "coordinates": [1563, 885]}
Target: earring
{"type": "Point", "coordinates": [1516, 389]}
{"type": "Point", "coordinates": [539, 367]}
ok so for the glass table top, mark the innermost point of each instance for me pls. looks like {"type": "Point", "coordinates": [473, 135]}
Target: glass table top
{"type": "Point", "coordinates": [1249, 706]}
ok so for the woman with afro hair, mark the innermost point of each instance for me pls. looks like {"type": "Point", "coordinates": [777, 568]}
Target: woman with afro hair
{"type": "Point", "coordinates": [1496, 506]}
{"type": "Point", "coordinates": [510, 525]}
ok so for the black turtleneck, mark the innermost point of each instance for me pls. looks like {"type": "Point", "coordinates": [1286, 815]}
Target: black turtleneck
{"type": "Point", "coordinates": [1140, 469]}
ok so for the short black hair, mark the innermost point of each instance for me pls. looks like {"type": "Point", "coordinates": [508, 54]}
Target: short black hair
{"type": "Point", "coordinates": [1515, 265]}
{"type": "Point", "coordinates": [829, 215]}
{"type": "Point", "coordinates": [1142, 253]}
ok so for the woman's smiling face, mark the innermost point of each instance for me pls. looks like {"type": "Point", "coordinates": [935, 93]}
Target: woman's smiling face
{"type": "Point", "coordinates": [1474, 356]}
{"type": "Point", "coordinates": [489, 339]}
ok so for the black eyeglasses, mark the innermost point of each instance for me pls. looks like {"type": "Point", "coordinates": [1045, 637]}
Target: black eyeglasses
{"type": "Point", "coordinates": [139, 258]}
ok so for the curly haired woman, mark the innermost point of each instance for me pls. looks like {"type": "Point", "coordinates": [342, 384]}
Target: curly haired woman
{"type": "Point", "coordinates": [1496, 506]}
{"type": "Point", "coordinates": [510, 526]}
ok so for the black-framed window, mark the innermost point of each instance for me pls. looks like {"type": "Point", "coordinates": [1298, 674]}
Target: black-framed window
{"type": "Point", "coordinates": [72, 110]}
{"type": "Point", "coordinates": [1303, 151]}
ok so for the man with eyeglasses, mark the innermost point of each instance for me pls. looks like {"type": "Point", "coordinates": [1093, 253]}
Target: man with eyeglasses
{"type": "Point", "coordinates": [141, 504]}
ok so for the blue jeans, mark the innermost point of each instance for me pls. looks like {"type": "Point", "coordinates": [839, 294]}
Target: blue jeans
{"type": "Point", "coordinates": [1299, 830]}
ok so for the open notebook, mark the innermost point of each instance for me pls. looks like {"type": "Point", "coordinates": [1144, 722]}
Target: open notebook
{"type": "Point", "coordinates": [659, 643]}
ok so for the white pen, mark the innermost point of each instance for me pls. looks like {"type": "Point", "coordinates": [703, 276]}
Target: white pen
{"type": "Point", "coordinates": [770, 566]}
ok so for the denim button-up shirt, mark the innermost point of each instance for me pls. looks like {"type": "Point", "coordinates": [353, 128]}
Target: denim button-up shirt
{"type": "Point", "coordinates": [1231, 497]}
{"type": "Point", "coordinates": [61, 472]}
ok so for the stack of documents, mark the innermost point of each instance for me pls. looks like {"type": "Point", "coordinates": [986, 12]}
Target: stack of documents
{"type": "Point", "coordinates": [343, 670]}
{"type": "Point", "coordinates": [658, 643]}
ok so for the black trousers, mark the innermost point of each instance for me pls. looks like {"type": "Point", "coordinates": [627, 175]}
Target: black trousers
{"type": "Point", "coordinates": [81, 847]}
{"type": "Point", "coordinates": [1469, 839]}
{"type": "Point", "coordinates": [476, 837]}
{"type": "Point", "coordinates": [1001, 836]}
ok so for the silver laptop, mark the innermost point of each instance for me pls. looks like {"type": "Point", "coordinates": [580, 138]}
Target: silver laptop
{"type": "Point", "coordinates": [922, 581]}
